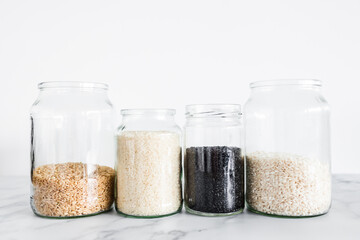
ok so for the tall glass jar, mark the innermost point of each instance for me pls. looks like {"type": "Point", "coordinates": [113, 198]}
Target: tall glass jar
{"type": "Point", "coordinates": [213, 163]}
{"type": "Point", "coordinates": [287, 149]}
{"type": "Point", "coordinates": [148, 182]}
{"type": "Point", "coordinates": [72, 150]}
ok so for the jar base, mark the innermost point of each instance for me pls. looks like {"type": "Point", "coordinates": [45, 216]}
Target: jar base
{"type": "Point", "coordinates": [68, 217]}
{"type": "Point", "coordinates": [281, 216]}
{"type": "Point", "coordinates": [157, 216]}
{"type": "Point", "coordinates": [206, 214]}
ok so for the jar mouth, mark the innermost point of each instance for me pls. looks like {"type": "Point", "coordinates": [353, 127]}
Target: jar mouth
{"type": "Point", "coordinates": [286, 82]}
{"type": "Point", "coordinates": [148, 111]}
{"type": "Point", "coordinates": [73, 85]}
{"type": "Point", "coordinates": [213, 110]}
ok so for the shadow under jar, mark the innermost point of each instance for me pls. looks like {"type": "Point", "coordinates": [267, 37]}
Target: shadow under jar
{"type": "Point", "coordinates": [287, 133]}
{"type": "Point", "coordinates": [148, 182]}
{"type": "Point", "coordinates": [72, 150]}
{"type": "Point", "coordinates": [213, 163]}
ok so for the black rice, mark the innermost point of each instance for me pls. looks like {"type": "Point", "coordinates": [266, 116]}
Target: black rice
{"type": "Point", "coordinates": [214, 179]}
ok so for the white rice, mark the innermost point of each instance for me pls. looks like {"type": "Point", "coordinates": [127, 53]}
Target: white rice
{"type": "Point", "coordinates": [148, 173]}
{"type": "Point", "coordinates": [287, 184]}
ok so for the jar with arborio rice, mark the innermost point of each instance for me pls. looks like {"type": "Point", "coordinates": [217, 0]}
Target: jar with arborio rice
{"type": "Point", "coordinates": [148, 168]}
{"type": "Point", "coordinates": [287, 132]}
{"type": "Point", "coordinates": [72, 150]}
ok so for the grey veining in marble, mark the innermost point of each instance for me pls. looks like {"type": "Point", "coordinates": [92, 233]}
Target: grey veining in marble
{"type": "Point", "coordinates": [18, 222]}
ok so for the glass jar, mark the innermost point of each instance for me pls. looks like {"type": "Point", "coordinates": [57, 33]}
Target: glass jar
{"type": "Point", "coordinates": [72, 150]}
{"type": "Point", "coordinates": [213, 163]}
{"type": "Point", "coordinates": [287, 149]}
{"type": "Point", "coordinates": [148, 182]}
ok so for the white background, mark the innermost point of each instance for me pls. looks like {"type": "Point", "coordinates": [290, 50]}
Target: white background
{"type": "Point", "coordinates": [171, 53]}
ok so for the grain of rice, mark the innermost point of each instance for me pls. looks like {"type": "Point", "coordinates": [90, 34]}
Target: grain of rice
{"type": "Point", "coordinates": [148, 173]}
{"type": "Point", "coordinates": [287, 184]}
{"type": "Point", "coordinates": [72, 189]}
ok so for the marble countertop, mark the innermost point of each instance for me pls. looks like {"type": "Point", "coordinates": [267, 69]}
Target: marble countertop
{"type": "Point", "coordinates": [17, 220]}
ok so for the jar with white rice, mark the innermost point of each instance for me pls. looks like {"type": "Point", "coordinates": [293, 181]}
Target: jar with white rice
{"type": "Point", "coordinates": [287, 133]}
{"type": "Point", "coordinates": [148, 169]}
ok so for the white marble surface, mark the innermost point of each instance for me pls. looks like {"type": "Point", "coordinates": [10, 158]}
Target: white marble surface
{"type": "Point", "coordinates": [17, 220]}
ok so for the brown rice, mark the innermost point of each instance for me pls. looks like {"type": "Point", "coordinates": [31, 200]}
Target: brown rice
{"type": "Point", "coordinates": [72, 189]}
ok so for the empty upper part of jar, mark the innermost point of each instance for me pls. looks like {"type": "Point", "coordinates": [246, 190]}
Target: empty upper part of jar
{"type": "Point", "coordinates": [156, 119]}
{"type": "Point", "coordinates": [149, 112]}
{"type": "Point", "coordinates": [213, 125]}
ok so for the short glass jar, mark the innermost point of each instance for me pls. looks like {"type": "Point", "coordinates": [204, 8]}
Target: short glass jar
{"type": "Point", "coordinates": [287, 132]}
{"type": "Point", "coordinates": [148, 182]}
{"type": "Point", "coordinates": [213, 163]}
{"type": "Point", "coordinates": [72, 150]}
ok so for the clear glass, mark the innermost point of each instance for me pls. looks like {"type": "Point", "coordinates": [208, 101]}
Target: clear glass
{"type": "Point", "coordinates": [213, 163]}
{"type": "Point", "coordinates": [287, 139]}
{"type": "Point", "coordinates": [73, 150]}
{"type": "Point", "coordinates": [148, 182]}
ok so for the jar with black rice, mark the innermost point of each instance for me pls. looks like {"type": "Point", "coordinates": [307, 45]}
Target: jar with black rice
{"type": "Point", "coordinates": [213, 162]}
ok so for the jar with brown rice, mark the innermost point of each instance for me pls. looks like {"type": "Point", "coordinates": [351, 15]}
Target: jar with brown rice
{"type": "Point", "coordinates": [72, 150]}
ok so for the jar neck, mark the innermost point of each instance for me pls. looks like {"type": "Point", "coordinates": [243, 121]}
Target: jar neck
{"type": "Point", "coordinates": [44, 92]}
{"type": "Point", "coordinates": [288, 87]}
{"type": "Point", "coordinates": [213, 114]}
{"type": "Point", "coordinates": [304, 84]}
{"type": "Point", "coordinates": [213, 111]}
{"type": "Point", "coordinates": [72, 88]}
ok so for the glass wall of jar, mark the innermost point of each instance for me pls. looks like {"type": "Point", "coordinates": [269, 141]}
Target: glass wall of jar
{"type": "Point", "coordinates": [73, 150]}
{"type": "Point", "coordinates": [287, 149]}
{"type": "Point", "coordinates": [213, 163]}
{"type": "Point", "coordinates": [148, 182]}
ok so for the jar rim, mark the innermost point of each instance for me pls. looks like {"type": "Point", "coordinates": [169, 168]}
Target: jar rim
{"type": "Point", "coordinates": [286, 82]}
{"type": "Point", "coordinates": [72, 85]}
{"type": "Point", "coordinates": [148, 111]}
{"type": "Point", "coordinates": [213, 110]}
